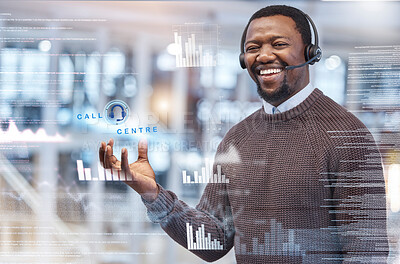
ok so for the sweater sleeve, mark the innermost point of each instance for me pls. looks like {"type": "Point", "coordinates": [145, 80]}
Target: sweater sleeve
{"type": "Point", "coordinates": [213, 211]}
{"type": "Point", "coordinates": [359, 203]}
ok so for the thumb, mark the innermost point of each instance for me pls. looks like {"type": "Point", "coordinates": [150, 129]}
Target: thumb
{"type": "Point", "coordinates": [142, 149]}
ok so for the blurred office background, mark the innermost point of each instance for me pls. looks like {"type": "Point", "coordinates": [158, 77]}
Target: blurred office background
{"type": "Point", "coordinates": [59, 59]}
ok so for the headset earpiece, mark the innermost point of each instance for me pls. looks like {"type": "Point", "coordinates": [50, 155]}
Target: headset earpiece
{"type": "Point", "coordinates": [241, 56]}
{"type": "Point", "coordinates": [241, 60]}
{"type": "Point", "coordinates": [311, 51]}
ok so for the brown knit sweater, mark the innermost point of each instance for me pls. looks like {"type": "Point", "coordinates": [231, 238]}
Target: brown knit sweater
{"type": "Point", "coordinates": [305, 186]}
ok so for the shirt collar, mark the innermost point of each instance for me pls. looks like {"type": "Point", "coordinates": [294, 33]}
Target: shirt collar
{"type": "Point", "coordinates": [290, 103]}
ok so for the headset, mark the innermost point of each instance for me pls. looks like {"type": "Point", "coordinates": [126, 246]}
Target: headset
{"type": "Point", "coordinates": [111, 115]}
{"type": "Point", "coordinates": [312, 53]}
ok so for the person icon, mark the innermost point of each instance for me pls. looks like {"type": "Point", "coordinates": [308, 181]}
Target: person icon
{"type": "Point", "coordinates": [122, 113]}
{"type": "Point", "coordinates": [116, 112]}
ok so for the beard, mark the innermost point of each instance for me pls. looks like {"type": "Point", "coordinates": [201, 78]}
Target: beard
{"type": "Point", "coordinates": [282, 93]}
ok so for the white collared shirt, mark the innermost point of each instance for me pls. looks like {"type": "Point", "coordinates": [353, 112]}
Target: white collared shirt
{"type": "Point", "coordinates": [290, 103]}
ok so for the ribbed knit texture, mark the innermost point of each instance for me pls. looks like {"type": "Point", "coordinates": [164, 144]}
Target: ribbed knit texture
{"type": "Point", "coordinates": [305, 186]}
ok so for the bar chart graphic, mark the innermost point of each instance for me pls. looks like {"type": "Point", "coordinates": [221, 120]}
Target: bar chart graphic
{"type": "Point", "coordinates": [200, 241]}
{"type": "Point", "coordinates": [278, 242]}
{"type": "Point", "coordinates": [102, 174]}
{"type": "Point", "coordinates": [197, 45]}
{"type": "Point", "coordinates": [206, 176]}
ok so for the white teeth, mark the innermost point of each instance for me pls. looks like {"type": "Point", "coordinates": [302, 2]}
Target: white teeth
{"type": "Point", "coordinates": [270, 71]}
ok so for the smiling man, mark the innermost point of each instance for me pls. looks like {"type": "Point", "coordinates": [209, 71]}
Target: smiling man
{"type": "Point", "coordinates": [308, 184]}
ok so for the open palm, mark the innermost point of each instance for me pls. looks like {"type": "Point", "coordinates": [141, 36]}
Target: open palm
{"type": "Point", "coordinates": [142, 175]}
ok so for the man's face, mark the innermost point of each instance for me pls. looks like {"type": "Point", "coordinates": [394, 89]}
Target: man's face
{"type": "Point", "coordinates": [271, 44]}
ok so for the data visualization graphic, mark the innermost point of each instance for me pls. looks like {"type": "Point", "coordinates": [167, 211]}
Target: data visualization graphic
{"type": "Point", "coordinates": [202, 241]}
{"type": "Point", "coordinates": [13, 134]}
{"type": "Point", "coordinates": [206, 176]}
{"type": "Point", "coordinates": [85, 174]}
{"type": "Point", "coordinates": [278, 242]}
{"type": "Point", "coordinates": [196, 45]}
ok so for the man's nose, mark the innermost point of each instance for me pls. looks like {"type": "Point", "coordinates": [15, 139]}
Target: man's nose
{"type": "Point", "coordinates": [266, 54]}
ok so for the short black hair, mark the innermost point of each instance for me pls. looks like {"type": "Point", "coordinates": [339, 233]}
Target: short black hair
{"type": "Point", "coordinates": [302, 24]}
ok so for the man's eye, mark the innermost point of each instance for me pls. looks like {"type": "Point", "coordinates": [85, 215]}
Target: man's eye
{"type": "Point", "coordinates": [249, 49]}
{"type": "Point", "coordinates": [280, 44]}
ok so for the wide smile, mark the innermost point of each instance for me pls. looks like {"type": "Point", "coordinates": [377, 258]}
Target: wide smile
{"type": "Point", "coordinates": [269, 75]}
{"type": "Point", "coordinates": [270, 71]}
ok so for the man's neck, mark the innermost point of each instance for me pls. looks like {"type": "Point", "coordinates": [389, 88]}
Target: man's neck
{"type": "Point", "coordinates": [289, 102]}
{"type": "Point", "coordinates": [277, 103]}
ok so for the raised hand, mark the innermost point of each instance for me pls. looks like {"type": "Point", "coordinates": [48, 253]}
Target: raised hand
{"type": "Point", "coordinates": [142, 175]}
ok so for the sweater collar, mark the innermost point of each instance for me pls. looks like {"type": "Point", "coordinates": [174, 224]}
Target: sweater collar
{"type": "Point", "coordinates": [295, 111]}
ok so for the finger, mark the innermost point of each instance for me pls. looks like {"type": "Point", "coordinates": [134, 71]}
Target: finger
{"type": "Point", "coordinates": [142, 149]}
{"type": "Point", "coordinates": [111, 144]}
{"type": "Point", "coordinates": [108, 157]}
{"type": "Point", "coordinates": [125, 165]}
{"type": "Point", "coordinates": [102, 150]}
